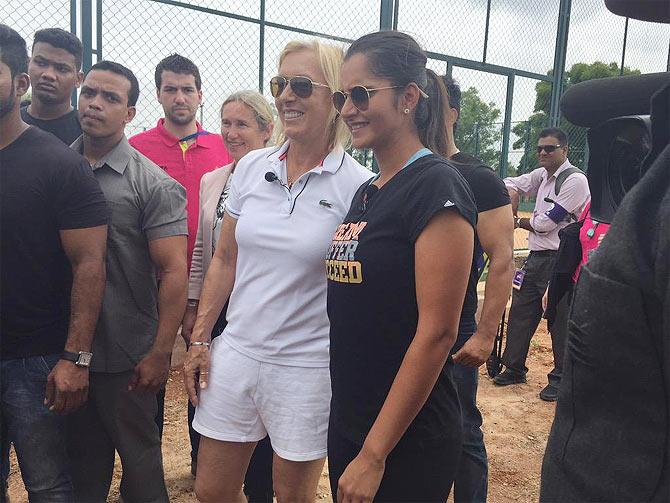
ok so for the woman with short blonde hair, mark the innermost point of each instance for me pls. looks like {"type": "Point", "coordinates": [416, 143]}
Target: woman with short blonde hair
{"type": "Point", "coordinates": [268, 374]}
{"type": "Point", "coordinates": [330, 59]}
{"type": "Point", "coordinates": [246, 125]}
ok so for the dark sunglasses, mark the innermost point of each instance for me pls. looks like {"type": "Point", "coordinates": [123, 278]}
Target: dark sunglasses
{"type": "Point", "coordinates": [360, 97]}
{"type": "Point", "coordinates": [547, 148]}
{"type": "Point", "coordinates": [302, 87]}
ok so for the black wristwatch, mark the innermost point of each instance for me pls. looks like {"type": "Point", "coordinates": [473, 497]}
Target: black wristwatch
{"type": "Point", "coordinates": [81, 359]}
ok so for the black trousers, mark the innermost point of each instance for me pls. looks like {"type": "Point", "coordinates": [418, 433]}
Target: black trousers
{"type": "Point", "coordinates": [526, 310]}
{"type": "Point", "coordinates": [416, 470]}
{"type": "Point", "coordinates": [559, 335]}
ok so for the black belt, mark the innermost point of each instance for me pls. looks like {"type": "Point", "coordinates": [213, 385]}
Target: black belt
{"type": "Point", "coordinates": [543, 253]}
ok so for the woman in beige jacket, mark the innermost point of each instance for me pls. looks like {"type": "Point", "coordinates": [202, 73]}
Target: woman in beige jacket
{"type": "Point", "coordinates": [246, 125]}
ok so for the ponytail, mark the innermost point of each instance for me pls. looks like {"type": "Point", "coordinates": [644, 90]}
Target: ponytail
{"type": "Point", "coordinates": [430, 115]}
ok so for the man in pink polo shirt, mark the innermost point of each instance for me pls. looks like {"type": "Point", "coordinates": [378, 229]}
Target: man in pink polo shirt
{"type": "Point", "coordinates": [178, 143]}
{"type": "Point", "coordinates": [180, 146]}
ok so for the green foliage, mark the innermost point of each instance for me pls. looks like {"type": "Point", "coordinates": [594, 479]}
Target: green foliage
{"type": "Point", "coordinates": [528, 131]}
{"type": "Point", "coordinates": [363, 156]}
{"type": "Point", "coordinates": [477, 132]}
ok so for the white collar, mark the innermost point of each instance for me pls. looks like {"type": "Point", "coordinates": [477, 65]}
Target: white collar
{"type": "Point", "coordinates": [330, 164]}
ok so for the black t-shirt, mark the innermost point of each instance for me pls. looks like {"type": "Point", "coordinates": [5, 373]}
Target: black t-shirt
{"type": "Point", "coordinates": [44, 187]}
{"type": "Point", "coordinates": [66, 127]}
{"type": "Point", "coordinates": [490, 193]}
{"type": "Point", "coordinates": [372, 302]}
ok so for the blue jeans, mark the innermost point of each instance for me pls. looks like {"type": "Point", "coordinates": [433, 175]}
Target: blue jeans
{"type": "Point", "coordinates": [471, 480]}
{"type": "Point", "coordinates": [36, 432]}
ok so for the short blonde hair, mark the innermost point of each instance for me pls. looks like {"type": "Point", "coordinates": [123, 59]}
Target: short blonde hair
{"type": "Point", "coordinates": [330, 60]}
{"type": "Point", "coordinates": [260, 107]}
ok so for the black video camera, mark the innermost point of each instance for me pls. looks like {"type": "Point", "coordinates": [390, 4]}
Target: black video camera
{"type": "Point", "coordinates": [628, 118]}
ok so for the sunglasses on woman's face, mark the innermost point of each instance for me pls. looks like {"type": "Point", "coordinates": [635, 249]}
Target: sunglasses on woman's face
{"type": "Point", "coordinates": [360, 97]}
{"type": "Point", "coordinates": [547, 148]}
{"type": "Point", "coordinates": [302, 87]}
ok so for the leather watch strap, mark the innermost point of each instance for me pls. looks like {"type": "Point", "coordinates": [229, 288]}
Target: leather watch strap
{"type": "Point", "coordinates": [69, 356]}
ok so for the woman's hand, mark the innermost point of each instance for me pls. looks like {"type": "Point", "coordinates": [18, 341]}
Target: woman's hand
{"type": "Point", "coordinates": [196, 371]}
{"type": "Point", "coordinates": [545, 299]}
{"type": "Point", "coordinates": [188, 322]}
{"type": "Point", "coordinates": [360, 481]}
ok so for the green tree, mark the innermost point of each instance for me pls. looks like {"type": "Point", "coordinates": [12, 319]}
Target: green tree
{"type": "Point", "coordinates": [477, 132]}
{"type": "Point", "coordinates": [528, 131]}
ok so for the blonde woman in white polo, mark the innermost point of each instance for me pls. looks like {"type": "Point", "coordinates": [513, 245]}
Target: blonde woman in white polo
{"type": "Point", "coordinates": [268, 372]}
{"type": "Point", "coordinates": [246, 124]}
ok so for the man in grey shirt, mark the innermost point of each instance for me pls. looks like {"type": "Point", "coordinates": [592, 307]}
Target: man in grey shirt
{"type": "Point", "coordinates": [139, 319]}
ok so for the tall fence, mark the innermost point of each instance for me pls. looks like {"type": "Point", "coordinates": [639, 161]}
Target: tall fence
{"type": "Point", "coordinates": [512, 58]}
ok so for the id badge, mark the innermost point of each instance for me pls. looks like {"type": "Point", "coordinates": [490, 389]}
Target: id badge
{"type": "Point", "coordinates": [517, 281]}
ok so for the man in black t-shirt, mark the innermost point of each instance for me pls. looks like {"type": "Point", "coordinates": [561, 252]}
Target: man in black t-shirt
{"type": "Point", "coordinates": [495, 229]}
{"type": "Point", "coordinates": [53, 233]}
{"type": "Point", "coordinates": [55, 72]}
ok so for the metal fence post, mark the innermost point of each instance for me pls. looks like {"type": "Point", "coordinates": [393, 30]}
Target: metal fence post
{"type": "Point", "coordinates": [486, 30]}
{"type": "Point", "coordinates": [623, 50]}
{"type": "Point", "coordinates": [73, 29]}
{"type": "Point", "coordinates": [559, 60]}
{"type": "Point", "coordinates": [98, 30]}
{"type": "Point", "coordinates": [395, 14]}
{"type": "Point", "coordinates": [87, 33]}
{"type": "Point", "coordinates": [507, 126]}
{"type": "Point", "coordinates": [526, 145]}
{"type": "Point", "coordinates": [261, 49]}
{"type": "Point", "coordinates": [386, 15]}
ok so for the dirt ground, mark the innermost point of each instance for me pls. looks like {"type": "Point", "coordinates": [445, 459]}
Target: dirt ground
{"type": "Point", "coordinates": [516, 427]}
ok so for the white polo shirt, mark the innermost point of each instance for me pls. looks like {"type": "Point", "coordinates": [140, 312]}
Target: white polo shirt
{"type": "Point", "coordinates": [277, 310]}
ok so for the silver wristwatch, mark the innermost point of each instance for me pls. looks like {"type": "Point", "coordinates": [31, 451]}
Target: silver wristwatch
{"type": "Point", "coordinates": [81, 359]}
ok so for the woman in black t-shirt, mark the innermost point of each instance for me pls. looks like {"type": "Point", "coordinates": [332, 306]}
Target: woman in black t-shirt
{"type": "Point", "coordinates": [397, 273]}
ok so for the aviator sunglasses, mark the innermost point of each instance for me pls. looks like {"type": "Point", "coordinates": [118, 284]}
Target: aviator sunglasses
{"type": "Point", "coordinates": [302, 87]}
{"type": "Point", "coordinates": [547, 148]}
{"type": "Point", "coordinates": [360, 96]}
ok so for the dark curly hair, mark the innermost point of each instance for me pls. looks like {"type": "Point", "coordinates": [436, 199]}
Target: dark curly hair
{"type": "Point", "coordinates": [111, 66]}
{"type": "Point", "coordinates": [61, 39]}
{"type": "Point", "coordinates": [178, 64]}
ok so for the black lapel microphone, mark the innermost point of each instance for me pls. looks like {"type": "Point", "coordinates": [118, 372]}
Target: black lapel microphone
{"type": "Point", "coordinates": [271, 177]}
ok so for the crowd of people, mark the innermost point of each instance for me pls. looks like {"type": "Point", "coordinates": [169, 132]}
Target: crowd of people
{"type": "Point", "coordinates": [329, 312]}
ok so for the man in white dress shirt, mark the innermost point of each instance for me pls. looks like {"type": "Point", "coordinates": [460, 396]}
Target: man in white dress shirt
{"type": "Point", "coordinates": [552, 212]}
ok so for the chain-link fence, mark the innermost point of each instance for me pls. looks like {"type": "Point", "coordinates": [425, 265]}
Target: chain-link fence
{"type": "Point", "coordinates": [512, 59]}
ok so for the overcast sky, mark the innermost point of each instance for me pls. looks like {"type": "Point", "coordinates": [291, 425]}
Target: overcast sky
{"type": "Point", "coordinates": [138, 33]}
